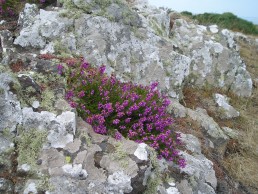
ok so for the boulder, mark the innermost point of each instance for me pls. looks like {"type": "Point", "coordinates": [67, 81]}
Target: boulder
{"type": "Point", "coordinates": [226, 111]}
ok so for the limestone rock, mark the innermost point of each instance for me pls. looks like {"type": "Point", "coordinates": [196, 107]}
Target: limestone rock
{"type": "Point", "coordinates": [210, 126]}
{"type": "Point", "coordinates": [225, 109]}
{"type": "Point", "coordinates": [61, 128]}
{"type": "Point", "coordinates": [119, 183]}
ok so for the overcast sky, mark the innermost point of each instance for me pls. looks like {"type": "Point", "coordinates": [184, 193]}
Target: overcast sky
{"type": "Point", "coordinates": [247, 9]}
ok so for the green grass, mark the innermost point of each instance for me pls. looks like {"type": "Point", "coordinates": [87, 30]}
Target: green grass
{"type": "Point", "coordinates": [225, 20]}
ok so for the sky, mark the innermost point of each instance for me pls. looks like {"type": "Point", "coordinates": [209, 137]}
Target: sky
{"type": "Point", "coordinates": [247, 9]}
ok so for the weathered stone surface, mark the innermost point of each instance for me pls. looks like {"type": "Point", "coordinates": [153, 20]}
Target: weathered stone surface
{"type": "Point", "coordinates": [141, 152]}
{"type": "Point", "coordinates": [231, 133]}
{"type": "Point", "coordinates": [192, 143]}
{"type": "Point", "coordinates": [210, 127]}
{"type": "Point", "coordinates": [201, 168]}
{"type": "Point", "coordinates": [61, 128]}
{"type": "Point", "coordinates": [6, 186]}
{"type": "Point", "coordinates": [225, 109]}
{"type": "Point", "coordinates": [214, 29]}
{"type": "Point", "coordinates": [10, 109]}
{"type": "Point", "coordinates": [38, 28]}
{"type": "Point", "coordinates": [119, 183]}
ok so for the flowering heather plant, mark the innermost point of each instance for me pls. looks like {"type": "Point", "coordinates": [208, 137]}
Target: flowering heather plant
{"type": "Point", "coordinates": [122, 109]}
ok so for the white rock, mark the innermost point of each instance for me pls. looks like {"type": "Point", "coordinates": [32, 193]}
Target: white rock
{"type": "Point", "coordinates": [35, 104]}
{"type": "Point", "coordinates": [141, 152]}
{"type": "Point", "coordinates": [75, 170]}
{"type": "Point", "coordinates": [214, 29]}
{"type": "Point", "coordinates": [31, 188]}
{"type": "Point", "coordinates": [228, 111]}
{"type": "Point", "coordinates": [119, 183]}
{"type": "Point", "coordinates": [172, 190]}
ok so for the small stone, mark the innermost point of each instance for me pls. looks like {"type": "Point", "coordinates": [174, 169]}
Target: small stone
{"type": "Point", "coordinates": [141, 152]}
{"type": "Point", "coordinates": [35, 104]}
{"type": "Point", "coordinates": [75, 171]}
{"type": "Point", "coordinates": [214, 29]}
{"type": "Point", "coordinates": [31, 188]}
{"type": "Point", "coordinates": [39, 162]}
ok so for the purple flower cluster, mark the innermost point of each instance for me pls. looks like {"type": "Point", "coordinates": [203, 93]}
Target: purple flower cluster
{"type": "Point", "coordinates": [123, 109]}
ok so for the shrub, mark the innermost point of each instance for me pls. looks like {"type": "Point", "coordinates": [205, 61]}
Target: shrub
{"type": "Point", "coordinates": [13, 7]}
{"type": "Point", "coordinates": [122, 109]}
{"type": "Point", "coordinates": [227, 20]}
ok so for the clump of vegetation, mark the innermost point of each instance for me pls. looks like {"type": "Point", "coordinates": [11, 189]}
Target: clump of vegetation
{"type": "Point", "coordinates": [225, 20]}
{"type": "Point", "coordinates": [122, 109]}
{"type": "Point", "coordinates": [13, 7]}
{"type": "Point", "coordinates": [29, 144]}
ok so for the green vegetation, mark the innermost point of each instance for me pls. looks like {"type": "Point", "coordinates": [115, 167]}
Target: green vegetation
{"type": "Point", "coordinates": [29, 145]}
{"type": "Point", "coordinates": [225, 20]}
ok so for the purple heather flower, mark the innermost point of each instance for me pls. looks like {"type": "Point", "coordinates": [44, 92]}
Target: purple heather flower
{"type": "Point", "coordinates": [92, 92]}
{"type": "Point", "coordinates": [127, 120]}
{"type": "Point", "coordinates": [116, 121]}
{"type": "Point", "coordinates": [69, 95]}
{"type": "Point", "coordinates": [122, 127]}
{"type": "Point", "coordinates": [60, 69]}
{"type": "Point", "coordinates": [81, 94]}
{"type": "Point", "coordinates": [85, 65]}
{"type": "Point", "coordinates": [42, 1]}
{"type": "Point", "coordinates": [106, 93]}
{"type": "Point", "coordinates": [181, 163]}
{"type": "Point", "coordinates": [83, 82]}
{"type": "Point", "coordinates": [120, 114]}
{"type": "Point", "coordinates": [154, 85]}
{"type": "Point", "coordinates": [118, 136]}
{"type": "Point", "coordinates": [102, 69]}
{"type": "Point", "coordinates": [73, 104]}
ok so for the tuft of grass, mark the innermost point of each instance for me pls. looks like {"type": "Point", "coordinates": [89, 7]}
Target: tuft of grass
{"type": "Point", "coordinates": [243, 167]}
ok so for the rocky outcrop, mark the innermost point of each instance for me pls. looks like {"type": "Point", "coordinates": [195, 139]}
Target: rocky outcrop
{"type": "Point", "coordinates": [142, 52]}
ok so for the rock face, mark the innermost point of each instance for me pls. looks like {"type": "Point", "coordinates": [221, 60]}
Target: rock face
{"type": "Point", "coordinates": [227, 111]}
{"type": "Point", "coordinates": [141, 51]}
{"type": "Point", "coordinates": [136, 43]}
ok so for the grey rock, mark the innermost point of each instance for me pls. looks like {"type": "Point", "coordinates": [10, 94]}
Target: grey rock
{"type": "Point", "coordinates": [184, 187]}
{"type": "Point", "coordinates": [61, 128]}
{"type": "Point", "coordinates": [211, 128]}
{"type": "Point", "coordinates": [225, 109]}
{"type": "Point", "coordinates": [75, 171]}
{"type": "Point", "coordinates": [201, 168]}
{"type": "Point", "coordinates": [192, 143]}
{"type": "Point", "coordinates": [10, 109]}
{"type": "Point", "coordinates": [46, 25]}
{"type": "Point", "coordinates": [118, 183]}
{"type": "Point", "coordinates": [177, 109]}
{"type": "Point", "coordinates": [231, 133]}
{"type": "Point", "coordinates": [6, 186]}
